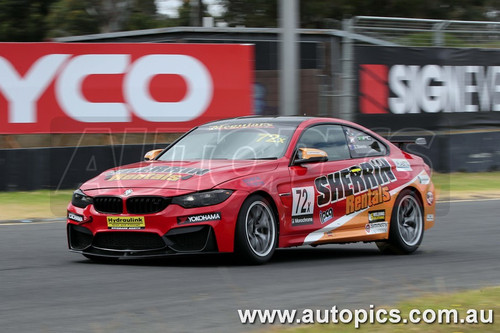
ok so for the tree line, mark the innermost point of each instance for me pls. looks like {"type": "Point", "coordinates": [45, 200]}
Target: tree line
{"type": "Point", "coordinates": [38, 20]}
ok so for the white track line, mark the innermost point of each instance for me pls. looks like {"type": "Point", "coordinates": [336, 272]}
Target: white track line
{"type": "Point", "coordinates": [467, 200]}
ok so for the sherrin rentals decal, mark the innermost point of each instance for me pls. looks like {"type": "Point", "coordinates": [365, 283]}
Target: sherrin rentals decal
{"type": "Point", "coordinates": [371, 198]}
{"type": "Point", "coordinates": [367, 177]}
{"type": "Point", "coordinates": [199, 218]}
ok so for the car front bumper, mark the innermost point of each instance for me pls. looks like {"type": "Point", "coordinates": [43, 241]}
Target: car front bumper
{"type": "Point", "coordinates": [174, 230]}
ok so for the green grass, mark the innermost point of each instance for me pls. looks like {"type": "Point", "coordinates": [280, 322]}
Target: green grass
{"type": "Point", "coordinates": [486, 299]}
{"type": "Point", "coordinates": [34, 204]}
{"type": "Point", "coordinates": [467, 184]}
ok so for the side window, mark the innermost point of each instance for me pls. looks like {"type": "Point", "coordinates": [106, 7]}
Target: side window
{"type": "Point", "coordinates": [329, 138]}
{"type": "Point", "coordinates": [363, 145]}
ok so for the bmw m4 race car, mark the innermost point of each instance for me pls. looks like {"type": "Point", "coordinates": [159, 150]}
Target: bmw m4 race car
{"type": "Point", "coordinates": [251, 185]}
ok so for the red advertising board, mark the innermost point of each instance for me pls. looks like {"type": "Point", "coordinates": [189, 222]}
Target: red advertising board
{"type": "Point", "coordinates": [76, 88]}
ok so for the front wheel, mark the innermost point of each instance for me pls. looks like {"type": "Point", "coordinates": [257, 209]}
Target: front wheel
{"type": "Point", "coordinates": [407, 225]}
{"type": "Point", "coordinates": [256, 233]}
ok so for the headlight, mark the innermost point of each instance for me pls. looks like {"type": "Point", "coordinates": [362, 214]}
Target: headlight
{"type": "Point", "coordinates": [202, 199]}
{"type": "Point", "coordinates": [80, 199]}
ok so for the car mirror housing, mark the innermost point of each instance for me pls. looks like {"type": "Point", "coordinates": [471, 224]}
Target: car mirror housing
{"type": "Point", "coordinates": [152, 154]}
{"type": "Point", "coordinates": [310, 155]}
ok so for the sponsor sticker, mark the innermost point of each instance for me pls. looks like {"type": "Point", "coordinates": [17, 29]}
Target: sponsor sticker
{"type": "Point", "coordinates": [326, 216]}
{"type": "Point", "coordinates": [430, 198]}
{"type": "Point", "coordinates": [303, 205]}
{"type": "Point", "coordinates": [402, 164]}
{"type": "Point", "coordinates": [376, 228]}
{"type": "Point", "coordinates": [168, 173]}
{"type": "Point", "coordinates": [430, 217]}
{"type": "Point", "coordinates": [126, 223]}
{"type": "Point", "coordinates": [424, 179]}
{"type": "Point", "coordinates": [253, 181]}
{"type": "Point", "coordinates": [75, 217]}
{"type": "Point", "coordinates": [364, 138]}
{"type": "Point", "coordinates": [376, 215]}
{"type": "Point", "coordinates": [238, 126]}
{"type": "Point", "coordinates": [328, 235]}
{"type": "Point", "coordinates": [302, 220]}
{"type": "Point", "coordinates": [199, 218]}
{"type": "Point", "coordinates": [273, 138]}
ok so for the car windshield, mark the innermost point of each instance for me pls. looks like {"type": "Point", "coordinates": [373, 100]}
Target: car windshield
{"type": "Point", "coordinates": [233, 141]}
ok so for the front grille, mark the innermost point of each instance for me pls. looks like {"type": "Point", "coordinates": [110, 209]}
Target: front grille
{"type": "Point", "coordinates": [146, 205]}
{"type": "Point", "coordinates": [79, 237]}
{"type": "Point", "coordinates": [110, 205]}
{"type": "Point", "coordinates": [126, 240]}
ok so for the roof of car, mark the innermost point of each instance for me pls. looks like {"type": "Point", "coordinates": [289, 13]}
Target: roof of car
{"type": "Point", "coordinates": [296, 120]}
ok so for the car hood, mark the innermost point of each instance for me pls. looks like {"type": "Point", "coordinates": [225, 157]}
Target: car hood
{"type": "Point", "coordinates": [192, 175]}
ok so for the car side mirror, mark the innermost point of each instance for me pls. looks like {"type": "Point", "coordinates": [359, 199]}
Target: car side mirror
{"type": "Point", "coordinates": [310, 155]}
{"type": "Point", "coordinates": [152, 154]}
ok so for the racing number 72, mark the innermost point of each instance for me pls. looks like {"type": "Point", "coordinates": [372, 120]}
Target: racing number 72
{"type": "Point", "coordinates": [303, 200]}
{"type": "Point", "coordinates": [302, 196]}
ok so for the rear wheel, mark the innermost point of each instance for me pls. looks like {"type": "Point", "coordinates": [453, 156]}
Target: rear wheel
{"type": "Point", "coordinates": [407, 225]}
{"type": "Point", "coordinates": [256, 234]}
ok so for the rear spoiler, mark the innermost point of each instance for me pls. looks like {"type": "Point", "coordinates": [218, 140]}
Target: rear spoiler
{"type": "Point", "coordinates": [401, 143]}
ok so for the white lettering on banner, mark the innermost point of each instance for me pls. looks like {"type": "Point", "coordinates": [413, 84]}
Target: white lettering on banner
{"type": "Point", "coordinates": [22, 93]}
{"type": "Point", "coordinates": [433, 88]}
{"type": "Point", "coordinates": [69, 88]}
{"type": "Point", "coordinates": [198, 81]}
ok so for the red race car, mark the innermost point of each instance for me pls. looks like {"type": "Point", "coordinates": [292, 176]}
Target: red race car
{"type": "Point", "coordinates": [250, 185]}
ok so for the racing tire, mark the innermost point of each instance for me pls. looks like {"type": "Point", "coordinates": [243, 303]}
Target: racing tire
{"type": "Point", "coordinates": [101, 260]}
{"type": "Point", "coordinates": [256, 234]}
{"type": "Point", "coordinates": [406, 229]}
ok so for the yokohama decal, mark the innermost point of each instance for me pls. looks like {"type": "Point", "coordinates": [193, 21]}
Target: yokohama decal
{"type": "Point", "coordinates": [76, 88]}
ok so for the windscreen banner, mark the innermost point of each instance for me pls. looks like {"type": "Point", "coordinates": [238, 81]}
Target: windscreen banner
{"type": "Point", "coordinates": [122, 87]}
{"type": "Point", "coordinates": [427, 87]}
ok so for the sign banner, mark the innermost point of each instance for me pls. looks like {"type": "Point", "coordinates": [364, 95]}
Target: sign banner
{"type": "Point", "coordinates": [429, 88]}
{"type": "Point", "coordinates": [76, 88]}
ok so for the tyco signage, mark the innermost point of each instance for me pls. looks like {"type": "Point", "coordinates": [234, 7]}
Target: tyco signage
{"type": "Point", "coordinates": [50, 87]}
{"type": "Point", "coordinates": [400, 81]}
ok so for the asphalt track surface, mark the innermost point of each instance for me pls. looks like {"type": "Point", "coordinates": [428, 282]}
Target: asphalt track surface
{"type": "Point", "coordinates": [44, 288]}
